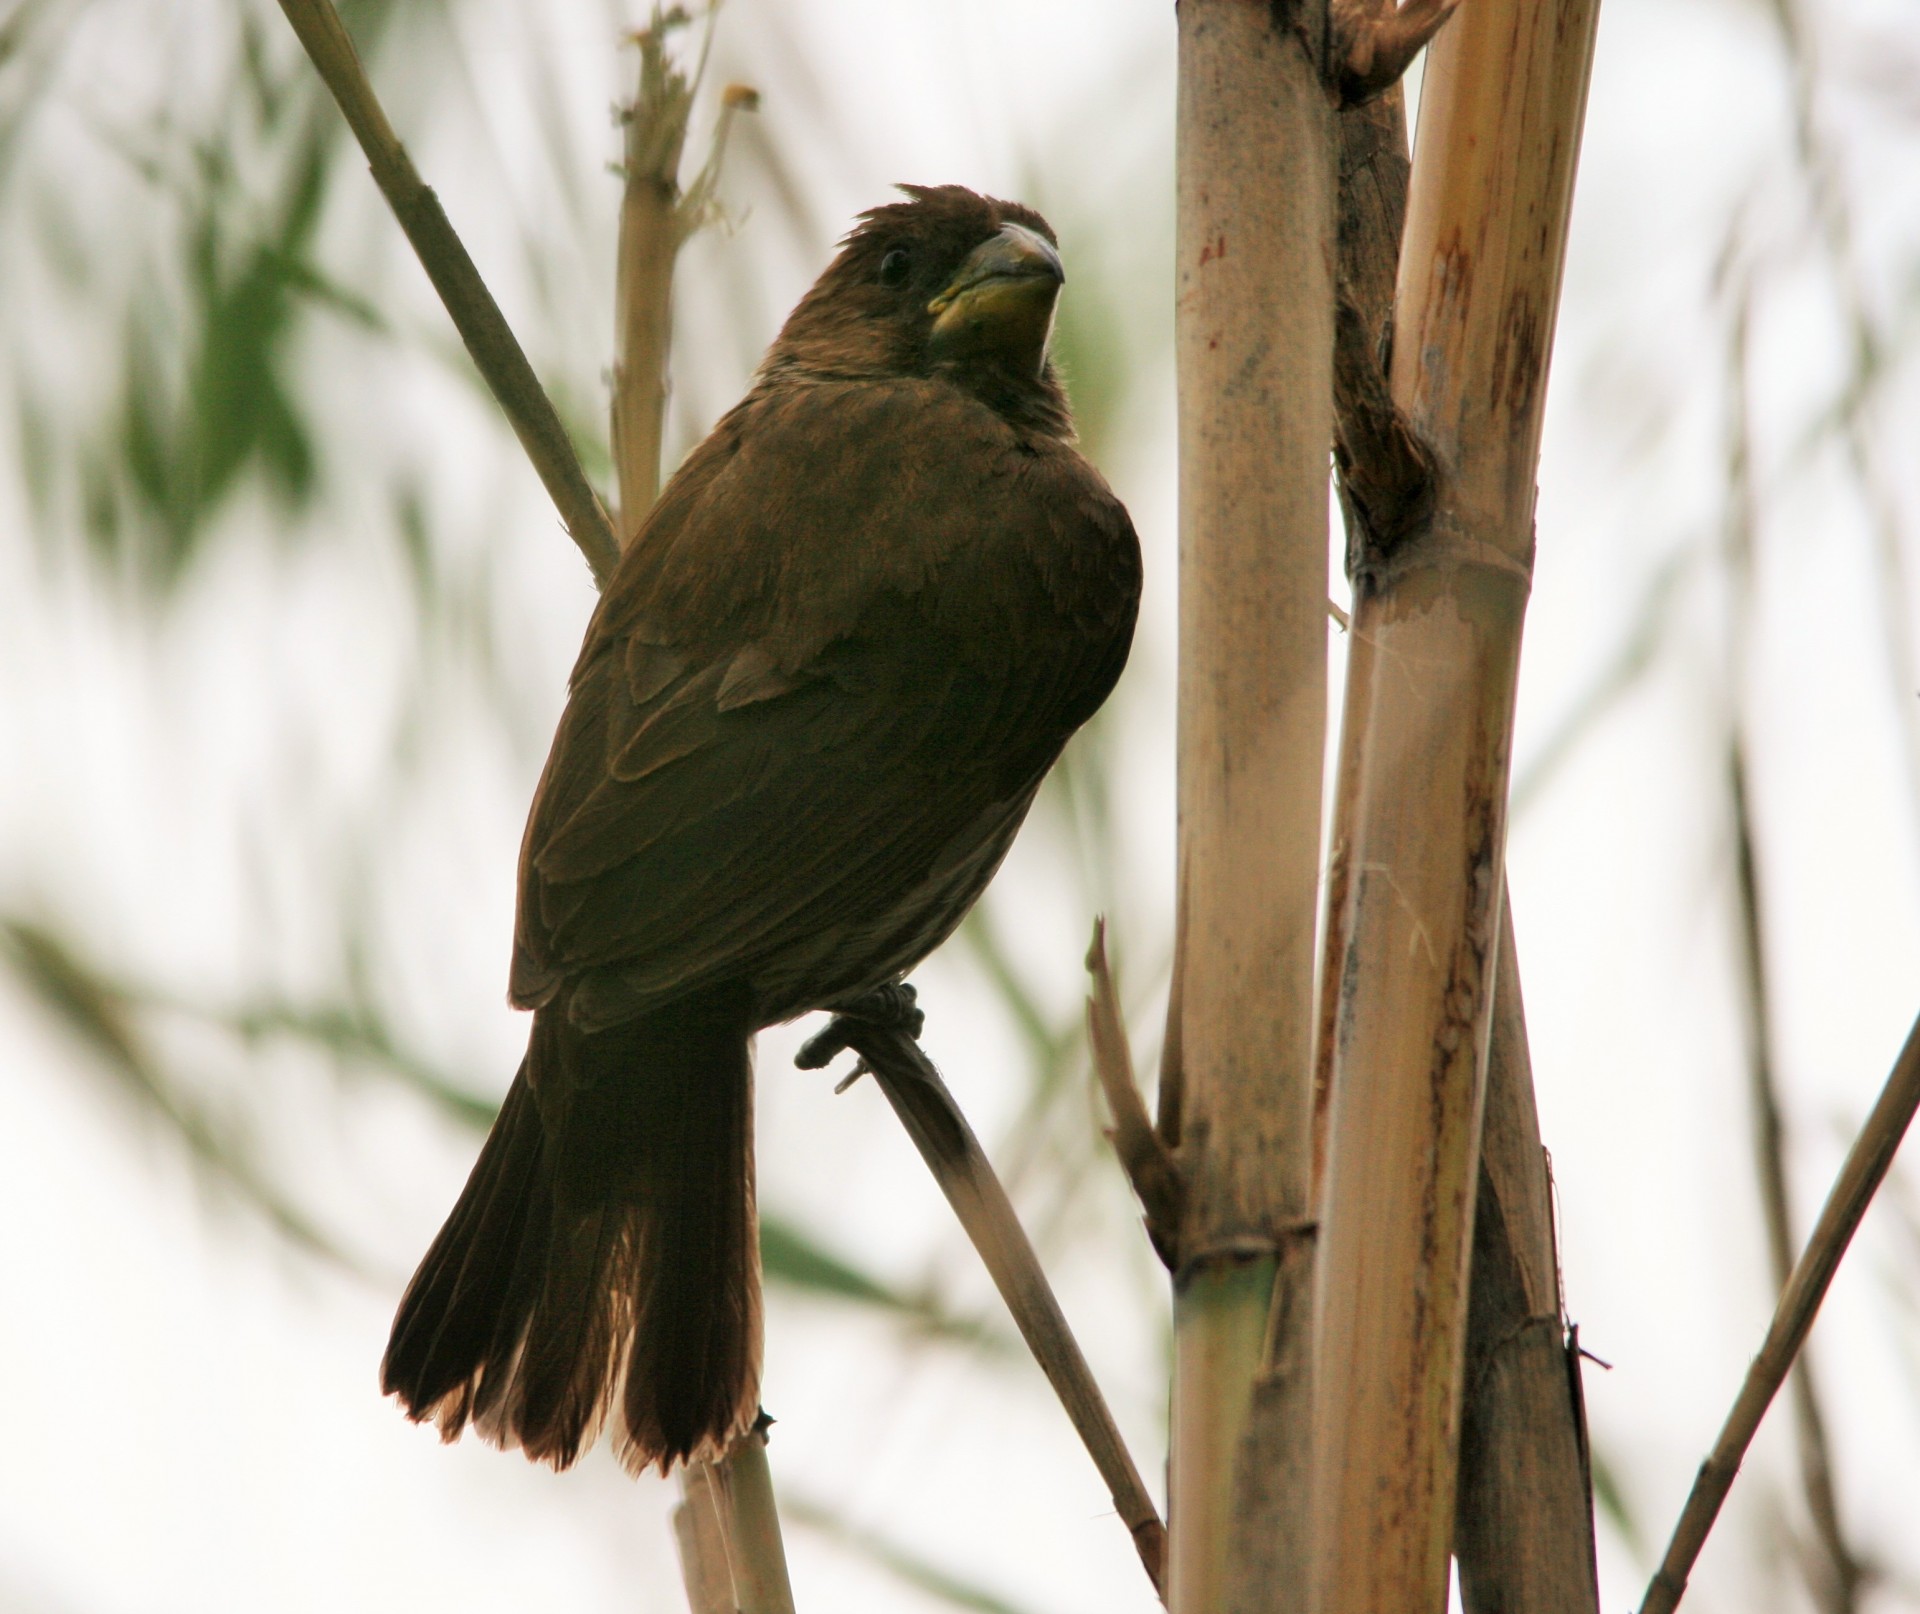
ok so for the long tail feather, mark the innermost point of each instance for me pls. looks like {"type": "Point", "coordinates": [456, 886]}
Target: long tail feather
{"type": "Point", "coordinates": [603, 1258]}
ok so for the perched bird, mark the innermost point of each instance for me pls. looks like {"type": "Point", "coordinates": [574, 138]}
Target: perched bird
{"type": "Point", "coordinates": [811, 711]}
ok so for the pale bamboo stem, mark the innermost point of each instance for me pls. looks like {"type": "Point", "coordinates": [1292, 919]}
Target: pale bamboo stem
{"type": "Point", "coordinates": [477, 317]}
{"type": "Point", "coordinates": [1523, 1530]}
{"type": "Point", "coordinates": [1254, 339]}
{"type": "Point", "coordinates": [699, 1532]}
{"type": "Point", "coordinates": [742, 1484]}
{"type": "Point", "coordinates": [1866, 1167]}
{"type": "Point", "coordinates": [1501, 109]}
{"type": "Point", "coordinates": [1385, 488]}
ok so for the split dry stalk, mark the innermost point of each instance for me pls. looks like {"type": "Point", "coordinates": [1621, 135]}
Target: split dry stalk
{"type": "Point", "coordinates": [1254, 343]}
{"type": "Point", "coordinates": [656, 219]}
{"type": "Point", "coordinates": [1385, 481]}
{"type": "Point", "coordinates": [496, 354]}
{"type": "Point", "coordinates": [1523, 1519]}
{"type": "Point", "coordinates": [960, 1166]}
{"type": "Point", "coordinates": [742, 1488]}
{"type": "Point", "coordinates": [1439, 616]}
{"type": "Point", "coordinates": [1144, 1156]}
{"type": "Point", "coordinates": [1860, 1177]}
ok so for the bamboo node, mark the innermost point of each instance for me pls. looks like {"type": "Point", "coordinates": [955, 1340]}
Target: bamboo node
{"type": "Point", "coordinates": [1445, 545]}
{"type": "Point", "coordinates": [1237, 1248]}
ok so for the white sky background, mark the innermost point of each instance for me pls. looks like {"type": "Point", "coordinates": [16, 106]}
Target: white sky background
{"type": "Point", "coordinates": [193, 1420]}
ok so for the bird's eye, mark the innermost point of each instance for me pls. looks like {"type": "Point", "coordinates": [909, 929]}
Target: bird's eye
{"type": "Point", "coordinates": [893, 268]}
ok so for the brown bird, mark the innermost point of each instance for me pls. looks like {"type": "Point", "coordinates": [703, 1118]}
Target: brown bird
{"type": "Point", "coordinates": [810, 713]}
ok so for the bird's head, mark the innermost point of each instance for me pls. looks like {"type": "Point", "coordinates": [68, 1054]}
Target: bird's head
{"type": "Point", "coordinates": [947, 283]}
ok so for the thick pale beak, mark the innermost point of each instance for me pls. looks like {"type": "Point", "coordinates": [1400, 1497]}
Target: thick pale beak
{"type": "Point", "coordinates": [1000, 304]}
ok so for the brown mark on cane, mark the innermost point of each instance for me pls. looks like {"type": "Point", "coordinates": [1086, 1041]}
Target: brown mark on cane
{"type": "Point", "coordinates": [1449, 295]}
{"type": "Point", "coordinates": [1517, 356]}
{"type": "Point", "coordinates": [1461, 1003]}
{"type": "Point", "coordinates": [1216, 248]}
{"type": "Point", "coordinates": [1453, 278]}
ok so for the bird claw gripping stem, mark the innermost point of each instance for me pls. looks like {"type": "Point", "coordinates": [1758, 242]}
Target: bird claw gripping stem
{"type": "Point", "coordinates": [893, 1007]}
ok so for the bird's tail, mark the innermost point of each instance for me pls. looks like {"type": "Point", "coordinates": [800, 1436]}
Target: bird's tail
{"type": "Point", "coordinates": [603, 1259]}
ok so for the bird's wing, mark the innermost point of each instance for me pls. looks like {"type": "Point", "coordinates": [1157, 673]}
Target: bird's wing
{"type": "Point", "coordinates": [847, 650]}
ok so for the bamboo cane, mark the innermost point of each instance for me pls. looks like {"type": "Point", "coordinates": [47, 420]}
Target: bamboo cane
{"type": "Point", "coordinates": [700, 1538]}
{"type": "Point", "coordinates": [756, 1554]}
{"type": "Point", "coordinates": [1523, 1531]}
{"type": "Point", "coordinates": [1440, 616]}
{"type": "Point", "coordinates": [1254, 343]}
{"type": "Point", "coordinates": [654, 133]}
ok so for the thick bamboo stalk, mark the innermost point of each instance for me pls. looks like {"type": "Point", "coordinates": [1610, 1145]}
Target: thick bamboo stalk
{"type": "Point", "coordinates": [1502, 102]}
{"type": "Point", "coordinates": [1385, 481]}
{"type": "Point", "coordinates": [1866, 1167]}
{"type": "Point", "coordinates": [756, 1553]}
{"type": "Point", "coordinates": [1254, 340]}
{"type": "Point", "coordinates": [1524, 1515]}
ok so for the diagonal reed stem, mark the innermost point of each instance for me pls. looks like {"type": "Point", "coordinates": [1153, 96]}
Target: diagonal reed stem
{"type": "Point", "coordinates": [1860, 1177]}
{"type": "Point", "coordinates": [953, 1154]}
{"type": "Point", "coordinates": [496, 354]}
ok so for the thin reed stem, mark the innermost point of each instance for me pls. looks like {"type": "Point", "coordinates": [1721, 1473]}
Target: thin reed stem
{"type": "Point", "coordinates": [960, 1166]}
{"type": "Point", "coordinates": [1860, 1177]}
{"type": "Point", "coordinates": [496, 354]}
{"type": "Point", "coordinates": [1835, 1576]}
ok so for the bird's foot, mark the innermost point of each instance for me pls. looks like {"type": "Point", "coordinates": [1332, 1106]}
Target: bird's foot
{"type": "Point", "coordinates": [893, 1007]}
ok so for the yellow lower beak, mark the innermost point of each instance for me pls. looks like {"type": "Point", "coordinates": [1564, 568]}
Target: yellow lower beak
{"type": "Point", "coordinates": [1000, 304]}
